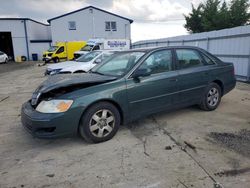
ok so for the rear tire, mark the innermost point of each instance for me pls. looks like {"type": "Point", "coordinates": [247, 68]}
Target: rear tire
{"type": "Point", "coordinates": [211, 98]}
{"type": "Point", "coordinates": [100, 122]}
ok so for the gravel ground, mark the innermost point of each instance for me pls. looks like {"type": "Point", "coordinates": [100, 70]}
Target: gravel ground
{"type": "Point", "coordinates": [183, 148]}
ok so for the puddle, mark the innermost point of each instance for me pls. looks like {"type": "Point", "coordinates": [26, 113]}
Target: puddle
{"type": "Point", "coordinates": [238, 142]}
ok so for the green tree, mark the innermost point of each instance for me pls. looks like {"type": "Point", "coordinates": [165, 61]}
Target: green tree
{"type": "Point", "coordinates": [210, 15]}
{"type": "Point", "coordinates": [193, 20]}
{"type": "Point", "coordinates": [224, 17]}
{"type": "Point", "coordinates": [239, 12]}
{"type": "Point", "coordinates": [214, 15]}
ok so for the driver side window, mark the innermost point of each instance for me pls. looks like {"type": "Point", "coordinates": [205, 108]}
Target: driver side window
{"type": "Point", "coordinates": [158, 62]}
{"type": "Point", "coordinates": [60, 50]}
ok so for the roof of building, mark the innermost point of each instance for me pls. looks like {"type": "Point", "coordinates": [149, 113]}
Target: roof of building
{"type": "Point", "coordinates": [49, 20]}
{"type": "Point", "coordinates": [25, 19]}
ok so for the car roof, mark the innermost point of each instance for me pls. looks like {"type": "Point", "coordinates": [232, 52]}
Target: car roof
{"type": "Point", "coordinates": [106, 51]}
{"type": "Point", "coordinates": [149, 49]}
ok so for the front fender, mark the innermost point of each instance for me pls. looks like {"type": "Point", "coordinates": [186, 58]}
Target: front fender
{"type": "Point", "coordinates": [114, 92]}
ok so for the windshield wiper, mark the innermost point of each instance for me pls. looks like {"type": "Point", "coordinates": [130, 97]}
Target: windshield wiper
{"type": "Point", "coordinates": [95, 72]}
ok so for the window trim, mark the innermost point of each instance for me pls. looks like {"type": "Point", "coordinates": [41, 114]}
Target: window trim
{"type": "Point", "coordinates": [110, 26]}
{"type": "Point", "coordinates": [196, 51]}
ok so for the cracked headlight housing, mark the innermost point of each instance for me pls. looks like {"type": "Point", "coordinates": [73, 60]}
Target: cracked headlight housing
{"type": "Point", "coordinates": [54, 106]}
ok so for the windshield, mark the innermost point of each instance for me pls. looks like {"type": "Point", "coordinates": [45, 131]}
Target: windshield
{"type": "Point", "coordinates": [87, 48]}
{"type": "Point", "coordinates": [52, 48]}
{"type": "Point", "coordinates": [88, 57]}
{"type": "Point", "coordinates": [119, 64]}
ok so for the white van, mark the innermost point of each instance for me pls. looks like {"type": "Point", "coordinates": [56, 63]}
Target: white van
{"type": "Point", "coordinates": [103, 44]}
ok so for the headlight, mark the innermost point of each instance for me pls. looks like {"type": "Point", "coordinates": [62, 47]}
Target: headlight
{"type": "Point", "coordinates": [54, 71]}
{"type": "Point", "coordinates": [54, 106]}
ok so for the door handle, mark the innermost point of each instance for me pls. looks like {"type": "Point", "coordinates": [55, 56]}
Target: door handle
{"type": "Point", "coordinates": [173, 80]}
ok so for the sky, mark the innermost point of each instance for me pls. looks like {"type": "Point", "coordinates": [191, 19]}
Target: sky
{"type": "Point", "coordinates": [152, 18]}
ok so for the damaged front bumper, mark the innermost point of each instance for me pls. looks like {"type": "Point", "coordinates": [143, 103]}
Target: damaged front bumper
{"type": "Point", "coordinates": [50, 125]}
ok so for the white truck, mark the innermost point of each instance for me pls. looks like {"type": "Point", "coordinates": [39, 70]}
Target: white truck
{"type": "Point", "coordinates": [103, 44]}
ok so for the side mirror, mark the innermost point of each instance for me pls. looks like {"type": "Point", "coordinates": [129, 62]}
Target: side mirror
{"type": "Point", "coordinates": [97, 61]}
{"type": "Point", "coordinates": [141, 73]}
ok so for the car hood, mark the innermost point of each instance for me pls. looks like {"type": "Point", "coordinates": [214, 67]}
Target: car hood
{"type": "Point", "coordinates": [79, 66]}
{"type": "Point", "coordinates": [61, 65]}
{"type": "Point", "coordinates": [66, 80]}
{"type": "Point", "coordinates": [72, 81]}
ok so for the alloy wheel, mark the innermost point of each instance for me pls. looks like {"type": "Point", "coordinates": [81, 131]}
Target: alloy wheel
{"type": "Point", "coordinates": [102, 123]}
{"type": "Point", "coordinates": [213, 96]}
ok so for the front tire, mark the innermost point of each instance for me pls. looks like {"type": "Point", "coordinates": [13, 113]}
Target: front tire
{"type": "Point", "coordinates": [100, 122]}
{"type": "Point", "coordinates": [6, 60]}
{"type": "Point", "coordinates": [56, 60]}
{"type": "Point", "coordinates": [211, 98]}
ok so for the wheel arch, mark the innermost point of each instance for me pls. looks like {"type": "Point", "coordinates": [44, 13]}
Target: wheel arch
{"type": "Point", "coordinates": [220, 83]}
{"type": "Point", "coordinates": [119, 108]}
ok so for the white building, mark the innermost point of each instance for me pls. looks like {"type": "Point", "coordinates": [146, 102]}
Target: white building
{"type": "Point", "coordinates": [89, 22]}
{"type": "Point", "coordinates": [24, 37]}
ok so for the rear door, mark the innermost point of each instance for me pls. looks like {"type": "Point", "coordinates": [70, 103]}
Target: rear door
{"type": "Point", "coordinates": [193, 75]}
{"type": "Point", "coordinates": [158, 90]}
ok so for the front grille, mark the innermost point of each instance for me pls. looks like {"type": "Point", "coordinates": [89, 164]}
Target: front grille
{"type": "Point", "coordinates": [44, 55]}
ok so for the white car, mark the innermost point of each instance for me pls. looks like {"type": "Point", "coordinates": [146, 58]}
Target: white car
{"type": "Point", "coordinates": [80, 65]}
{"type": "Point", "coordinates": [3, 57]}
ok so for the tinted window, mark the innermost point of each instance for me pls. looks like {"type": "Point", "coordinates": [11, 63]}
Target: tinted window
{"type": "Point", "coordinates": [208, 60]}
{"type": "Point", "coordinates": [188, 58]}
{"type": "Point", "coordinates": [60, 50]}
{"type": "Point", "coordinates": [158, 62]}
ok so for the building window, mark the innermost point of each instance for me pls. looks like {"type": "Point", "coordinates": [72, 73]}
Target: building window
{"type": "Point", "coordinates": [72, 25]}
{"type": "Point", "coordinates": [110, 26]}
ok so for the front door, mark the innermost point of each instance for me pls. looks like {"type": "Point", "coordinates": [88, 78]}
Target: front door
{"type": "Point", "coordinates": [156, 91]}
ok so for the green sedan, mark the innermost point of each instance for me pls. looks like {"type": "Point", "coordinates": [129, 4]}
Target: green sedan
{"type": "Point", "coordinates": [129, 85]}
